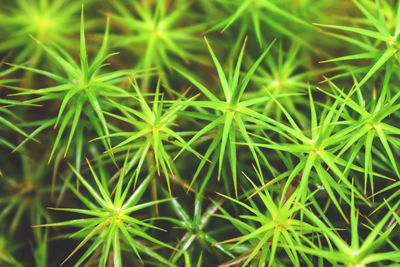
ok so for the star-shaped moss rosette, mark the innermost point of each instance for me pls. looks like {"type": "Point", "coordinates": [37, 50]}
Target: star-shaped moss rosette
{"type": "Point", "coordinates": [23, 197]}
{"type": "Point", "coordinates": [157, 34]}
{"type": "Point", "coordinates": [369, 121]}
{"type": "Point", "coordinates": [250, 15]}
{"type": "Point", "coordinates": [314, 149]}
{"type": "Point", "coordinates": [27, 191]}
{"type": "Point", "coordinates": [224, 116]}
{"type": "Point", "coordinates": [82, 91]}
{"type": "Point", "coordinates": [199, 230]}
{"type": "Point", "coordinates": [153, 130]}
{"type": "Point", "coordinates": [377, 37]}
{"type": "Point", "coordinates": [267, 228]}
{"type": "Point", "coordinates": [361, 249]}
{"type": "Point", "coordinates": [282, 72]}
{"type": "Point", "coordinates": [111, 224]}
{"type": "Point", "coordinates": [48, 20]}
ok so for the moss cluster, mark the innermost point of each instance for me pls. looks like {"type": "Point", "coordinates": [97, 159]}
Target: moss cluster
{"type": "Point", "coordinates": [199, 133]}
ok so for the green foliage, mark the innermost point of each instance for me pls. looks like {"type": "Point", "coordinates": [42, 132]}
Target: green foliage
{"type": "Point", "coordinates": [25, 195]}
{"type": "Point", "coordinates": [44, 19]}
{"type": "Point", "coordinates": [5, 254]}
{"type": "Point", "coordinates": [356, 254]}
{"type": "Point", "coordinates": [154, 126]}
{"type": "Point", "coordinates": [83, 85]}
{"type": "Point", "coordinates": [9, 119]}
{"type": "Point", "coordinates": [278, 224]}
{"type": "Point", "coordinates": [229, 114]}
{"type": "Point", "coordinates": [379, 43]}
{"type": "Point", "coordinates": [176, 149]}
{"type": "Point", "coordinates": [250, 13]}
{"type": "Point", "coordinates": [111, 221]}
{"type": "Point", "coordinates": [157, 35]}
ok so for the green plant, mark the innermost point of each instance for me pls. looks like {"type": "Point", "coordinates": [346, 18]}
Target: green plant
{"type": "Point", "coordinates": [162, 155]}
{"type": "Point", "coordinates": [83, 85]}
{"type": "Point", "coordinates": [379, 44]}
{"type": "Point", "coordinates": [44, 19]}
{"type": "Point", "coordinates": [9, 120]}
{"type": "Point", "coordinates": [154, 127]}
{"type": "Point", "coordinates": [25, 196]}
{"type": "Point", "coordinates": [228, 114]}
{"type": "Point", "coordinates": [278, 226]}
{"type": "Point", "coordinates": [197, 233]}
{"type": "Point", "coordinates": [157, 35]}
{"type": "Point", "coordinates": [359, 252]}
{"type": "Point", "coordinates": [283, 74]}
{"type": "Point", "coordinates": [250, 13]}
{"type": "Point", "coordinates": [5, 255]}
{"type": "Point", "coordinates": [371, 122]}
{"type": "Point", "coordinates": [316, 148]}
{"type": "Point", "coordinates": [110, 220]}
